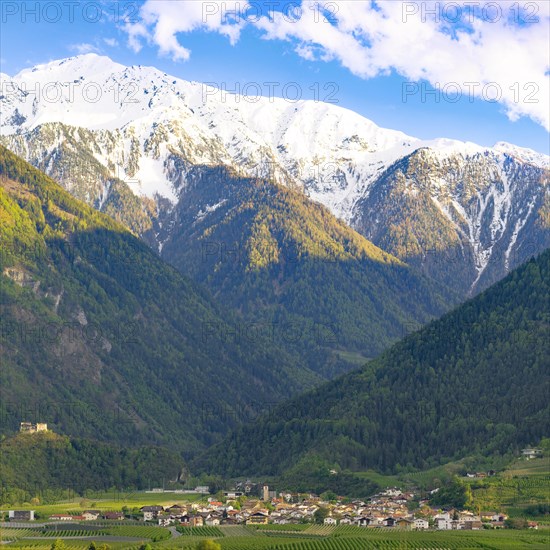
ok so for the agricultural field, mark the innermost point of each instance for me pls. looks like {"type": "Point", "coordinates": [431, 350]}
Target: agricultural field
{"type": "Point", "coordinates": [211, 532]}
{"type": "Point", "coordinates": [7, 534]}
{"type": "Point", "coordinates": [522, 484]}
{"type": "Point", "coordinates": [69, 545]}
{"type": "Point", "coordinates": [76, 534]}
{"type": "Point", "coordinates": [113, 501]}
{"type": "Point", "coordinates": [276, 527]}
{"type": "Point", "coordinates": [356, 538]}
{"type": "Point", "coordinates": [310, 538]}
{"type": "Point", "coordinates": [146, 532]}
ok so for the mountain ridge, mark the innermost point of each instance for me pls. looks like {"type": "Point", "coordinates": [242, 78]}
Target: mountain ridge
{"type": "Point", "coordinates": [148, 130]}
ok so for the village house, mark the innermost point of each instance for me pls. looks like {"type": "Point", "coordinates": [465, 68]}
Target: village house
{"type": "Point", "coordinates": [216, 505]}
{"type": "Point", "coordinates": [420, 523]}
{"type": "Point", "coordinates": [61, 517]}
{"type": "Point", "coordinates": [529, 453]}
{"type": "Point", "coordinates": [193, 520]}
{"type": "Point", "coordinates": [151, 513]}
{"type": "Point", "coordinates": [404, 523]}
{"type": "Point", "coordinates": [363, 521]}
{"type": "Point", "coordinates": [118, 516]}
{"type": "Point", "coordinates": [165, 520]}
{"type": "Point", "coordinates": [258, 518]}
{"type": "Point", "coordinates": [90, 515]}
{"type": "Point", "coordinates": [175, 510]}
{"type": "Point", "coordinates": [472, 525]}
{"type": "Point", "coordinates": [213, 520]}
{"type": "Point", "coordinates": [346, 520]}
{"type": "Point", "coordinates": [233, 494]}
{"type": "Point", "coordinates": [21, 515]}
{"type": "Point", "coordinates": [330, 521]}
{"type": "Point", "coordinates": [392, 492]}
{"type": "Point", "coordinates": [443, 521]}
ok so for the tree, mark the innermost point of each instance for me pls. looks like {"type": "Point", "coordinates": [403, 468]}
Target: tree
{"type": "Point", "coordinates": [58, 545]}
{"type": "Point", "coordinates": [320, 514]}
{"type": "Point", "coordinates": [516, 523]}
{"type": "Point", "coordinates": [329, 496]}
{"type": "Point", "coordinates": [452, 494]}
{"type": "Point", "coordinates": [208, 545]}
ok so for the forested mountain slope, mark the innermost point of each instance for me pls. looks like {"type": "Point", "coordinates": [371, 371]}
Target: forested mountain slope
{"type": "Point", "coordinates": [295, 271]}
{"type": "Point", "coordinates": [101, 338]}
{"type": "Point", "coordinates": [474, 381]}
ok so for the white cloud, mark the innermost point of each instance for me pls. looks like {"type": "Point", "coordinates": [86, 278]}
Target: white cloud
{"type": "Point", "coordinates": [492, 49]}
{"type": "Point", "coordinates": [112, 42]}
{"type": "Point", "coordinates": [84, 48]}
{"type": "Point", "coordinates": [162, 20]}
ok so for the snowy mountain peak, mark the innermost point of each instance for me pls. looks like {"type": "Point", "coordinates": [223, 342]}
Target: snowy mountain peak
{"type": "Point", "coordinates": [155, 132]}
{"type": "Point", "coordinates": [88, 65]}
{"type": "Point", "coordinates": [95, 92]}
{"type": "Point", "coordinates": [522, 153]}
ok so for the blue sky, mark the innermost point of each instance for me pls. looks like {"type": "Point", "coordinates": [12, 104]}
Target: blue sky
{"type": "Point", "coordinates": [351, 58]}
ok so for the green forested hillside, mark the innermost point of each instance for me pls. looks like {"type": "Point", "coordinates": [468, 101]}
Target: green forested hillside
{"type": "Point", "coordinates": [288, 264]}
{"type": "Point", "coordinates": [474, 382]}
{"type": "Point", "coordinates": [33, 464]}
{"type": "Point", "coordinates": [100, 338]}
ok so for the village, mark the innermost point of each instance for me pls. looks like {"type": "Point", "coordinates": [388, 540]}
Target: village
{"type": "Point", "coordinates": [257, 504]}
{"type": "Point", "coordinates": [389, 509]}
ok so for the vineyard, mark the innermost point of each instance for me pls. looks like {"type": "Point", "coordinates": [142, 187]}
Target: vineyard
{"type": "Point", "coordinates": [289, 527]}
{"type": "Point", "coordinates": [8, 534]}
{"type": "Point", "coordinates": [310, 538]}
{"type": "Point", "coordinates": [69, 544]}
{"type": "Point", "coordinates": [62, 533]}
{"type": "Point", "coordinates": [155, 534]}
{"type": "Point", "coordinates": [212, 532]}
{"type": "Point", "coordinates": [516, 491]}
{"type": "Point", "coordinates": [355, 538]}
{"type": "Point", "coordinates": [383, 540]}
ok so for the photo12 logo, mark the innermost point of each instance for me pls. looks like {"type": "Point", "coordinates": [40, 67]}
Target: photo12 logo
{"type": "Point", "coordinates": [69, 11]}
{"type": "Point", "coordinates": [453, 92]}
{"type": "Point", "coordinates": [521, 13]}
{"type": "Point", "coordinates": [253, 92]}
{"type": "Point", "coordinates": [227, 13]}
{"type": "Point", "coordinates": [68, 92]}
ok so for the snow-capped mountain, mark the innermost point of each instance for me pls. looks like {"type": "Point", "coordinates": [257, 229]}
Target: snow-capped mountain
{"type": "Point", "coordinates": [130, 139]}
